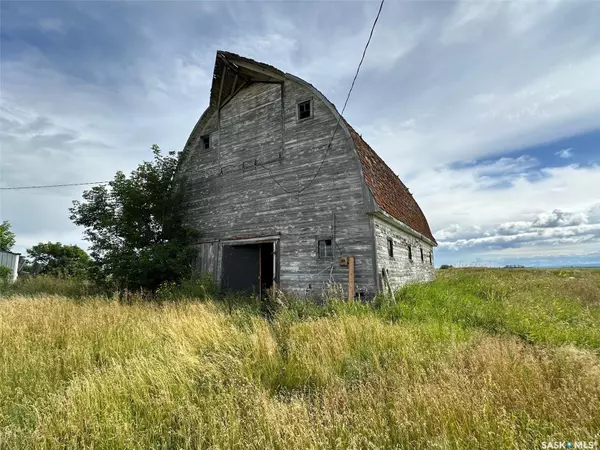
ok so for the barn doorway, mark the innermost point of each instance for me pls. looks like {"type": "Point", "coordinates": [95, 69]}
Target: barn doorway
{"type": "Point", "coordinates": [249, 267]}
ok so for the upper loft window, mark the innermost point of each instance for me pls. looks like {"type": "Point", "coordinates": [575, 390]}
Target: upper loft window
{"type": "Point", "coordinates": [304, 110]}
{"type": "Point", "coordinates": [390, 247]}
{"type": "Point", "coordinates": [324, 248]}
{"type": "Point", "coordinates": [205, 141]}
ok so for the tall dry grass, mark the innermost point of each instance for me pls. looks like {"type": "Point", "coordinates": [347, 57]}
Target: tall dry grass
{"type": "Point", "coordinates": [98, 374]}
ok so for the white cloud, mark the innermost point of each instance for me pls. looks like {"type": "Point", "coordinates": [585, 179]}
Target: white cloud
{"type": "Point", "coordinates": [469, 81]}
{"type": "Point", "coordinates": [565, 153]}
{"type": "Point", "coordinates": [491, 88]}
{"type": "Point", "coordinates": [464, 196]}
{"type": "Point", "coordinates": [540, 111]}
{"type": "Point", "coordinates": [482, 227]}
{"type": "Point", "coordinates": [559, 218]}
{"type": "Point", "coordinates": [551, 236]}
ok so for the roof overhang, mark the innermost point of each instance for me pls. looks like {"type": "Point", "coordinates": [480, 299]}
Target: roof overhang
{"type": "Point", "coordinates": [380, 214]}
{"type": "Point", "coordinates": [234, 72]}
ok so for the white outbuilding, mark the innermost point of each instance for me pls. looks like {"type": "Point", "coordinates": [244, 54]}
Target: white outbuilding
{"type": "Point", "coordinates": [10, 260]}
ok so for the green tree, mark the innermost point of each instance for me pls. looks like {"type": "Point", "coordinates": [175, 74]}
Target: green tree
{"type": "Point", "coordinates": [7, 237]}
{"type": "Point", "coordinates": [60, 260]}
{"type": "Point", "coordinates": [135, 226]}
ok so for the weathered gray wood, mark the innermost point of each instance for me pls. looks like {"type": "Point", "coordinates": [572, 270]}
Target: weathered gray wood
{"type": "Point", "coordinates": [260, 70]}
{"type": "Point", "coordinates": [399, 269]}
{"type": "Point", "coordinates": [257, 125]}
{"type": "Point", "coordinates": [259, 150]}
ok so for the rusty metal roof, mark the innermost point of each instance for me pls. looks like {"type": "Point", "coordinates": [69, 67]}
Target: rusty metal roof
{"type": "Point", "coordinates": [390, 193]}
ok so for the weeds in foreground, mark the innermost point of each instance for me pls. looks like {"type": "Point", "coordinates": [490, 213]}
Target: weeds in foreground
{"type": "Point", "coordinates": [476, 359]}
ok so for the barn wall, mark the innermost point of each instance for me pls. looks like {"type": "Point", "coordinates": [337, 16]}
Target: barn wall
{"type": "Point", "coordinates": [400, 268]}
{"type": "Point", "coordinates": [235, 188]}
{"type": "Point", "coordinates": [206, 258]}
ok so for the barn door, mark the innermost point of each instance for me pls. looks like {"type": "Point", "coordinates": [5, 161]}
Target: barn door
{"type": "Point", "coordinates": [241, 265]}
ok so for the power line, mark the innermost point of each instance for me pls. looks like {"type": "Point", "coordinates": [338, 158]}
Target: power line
{"type": "Point", "coordinates": [340, 114]}
{"type": "Point", "coordinates": [52, 185]}
{"type": "Point", "coordinates": [347, 98]}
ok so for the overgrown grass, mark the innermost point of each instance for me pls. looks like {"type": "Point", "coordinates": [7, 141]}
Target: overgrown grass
{"type": "Point", "coordinates": [538, 306]}
{"type": "Point", "coordinates": [74, 287]}
{"type": "Point", "coordinates": [48, 285]}
{"type": "Point", "coordinates": [478, 359]}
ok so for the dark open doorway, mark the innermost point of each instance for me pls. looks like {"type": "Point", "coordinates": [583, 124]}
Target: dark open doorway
{"type": "Point", "coordinates": [248, 267]}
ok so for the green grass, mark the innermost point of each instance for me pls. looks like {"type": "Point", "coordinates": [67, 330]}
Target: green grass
{"type": "Point", "coordinates": [47, 285]}
{"type": "Point", "coordinates": [539, 306]}
{"type": "Point", "coordinates": [477, 359]}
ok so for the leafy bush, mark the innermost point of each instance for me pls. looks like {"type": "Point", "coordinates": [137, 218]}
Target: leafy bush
{"type": "Point", "coordinates": [5, 275]}
{"type": "Point", "coordinates": [7, 237]}
{"type": "Point", "coordinates": [202, 287]}
{"type": "Point", "coordinates": [136, 229]}
{"type": "Point", "coordinates": [59, 260]}
{"type": "Point", "coordinates": [5, 279]}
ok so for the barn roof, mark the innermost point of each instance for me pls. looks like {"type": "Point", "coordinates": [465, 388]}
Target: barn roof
{"type": "Point", "coordinates": [233, 72]}
{"type": "Point", "coordinates": [390, 193]}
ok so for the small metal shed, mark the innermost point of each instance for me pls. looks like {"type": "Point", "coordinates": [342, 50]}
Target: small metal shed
{"type": "Point", "coordinates": [10, 260]}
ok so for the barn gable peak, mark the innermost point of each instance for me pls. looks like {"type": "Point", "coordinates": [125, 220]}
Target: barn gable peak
{"type": "Point", "coordinates": [234, 72]}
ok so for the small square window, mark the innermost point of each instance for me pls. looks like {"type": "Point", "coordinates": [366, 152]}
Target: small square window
{"type": "Point", "coordinates": [409, 253]}
{"type": "Point", "coordinates": [205, 141]}
{"type": "Point", "coordinates": [325, 249]}
{"type": "Point", "coordinates": [304, 110]}
{"type": "Point", "coordinates": [422, 259]}
{"type": "Point", "coordinates": [390, 247]}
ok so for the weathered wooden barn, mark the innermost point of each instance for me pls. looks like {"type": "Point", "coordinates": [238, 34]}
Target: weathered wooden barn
{"type": "Point", "coordinates": [282, 193]}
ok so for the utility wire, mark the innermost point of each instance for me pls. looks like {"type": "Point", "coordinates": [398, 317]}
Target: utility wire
{"type": "Point", "coordinates": [340, 114]}
{"type": "Point", "coordinates": [347, 98]}
{"type": "Point", "coordinates": [53, 185]}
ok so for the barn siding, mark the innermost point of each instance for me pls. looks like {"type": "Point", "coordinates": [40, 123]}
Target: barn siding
{"type": "Point", "coordinates": [399, 268]}
{"type": "Point", "coordinates": [231, 196]}
{"type": "Point", "coordinates": [206, 258]}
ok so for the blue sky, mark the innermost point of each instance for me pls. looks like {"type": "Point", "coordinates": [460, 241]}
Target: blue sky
{"type": "Point", "coordinates": [488, 111]}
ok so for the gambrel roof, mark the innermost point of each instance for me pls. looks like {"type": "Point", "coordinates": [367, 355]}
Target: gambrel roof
{"type": "Point", "coordinates": [233, 72]}
{"type": "Point", "coordinates": [390, 193]}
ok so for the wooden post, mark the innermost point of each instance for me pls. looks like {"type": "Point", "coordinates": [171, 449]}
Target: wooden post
{"type": "Point", "coordinates": [387, 282]}
{"type": "Point", "coordinates": [274, 292]}
{"type": "Point", "coordinates": [351, 278]}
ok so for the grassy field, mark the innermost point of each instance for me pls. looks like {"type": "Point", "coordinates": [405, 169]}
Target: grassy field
{"type": "Point", "coordinates": [479, 359]}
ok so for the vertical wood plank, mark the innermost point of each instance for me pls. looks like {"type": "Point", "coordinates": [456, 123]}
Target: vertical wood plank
{"type": "Point", "coordinates": [351, 278]}
{"type": "Point", "coordinates": [257, 125]}
{"type": "Point", "coordinates": [400, 269]}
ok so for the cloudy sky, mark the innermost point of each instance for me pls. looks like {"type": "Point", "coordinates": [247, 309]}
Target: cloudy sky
{"type": "Point", "coordinates": [489, 112]}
